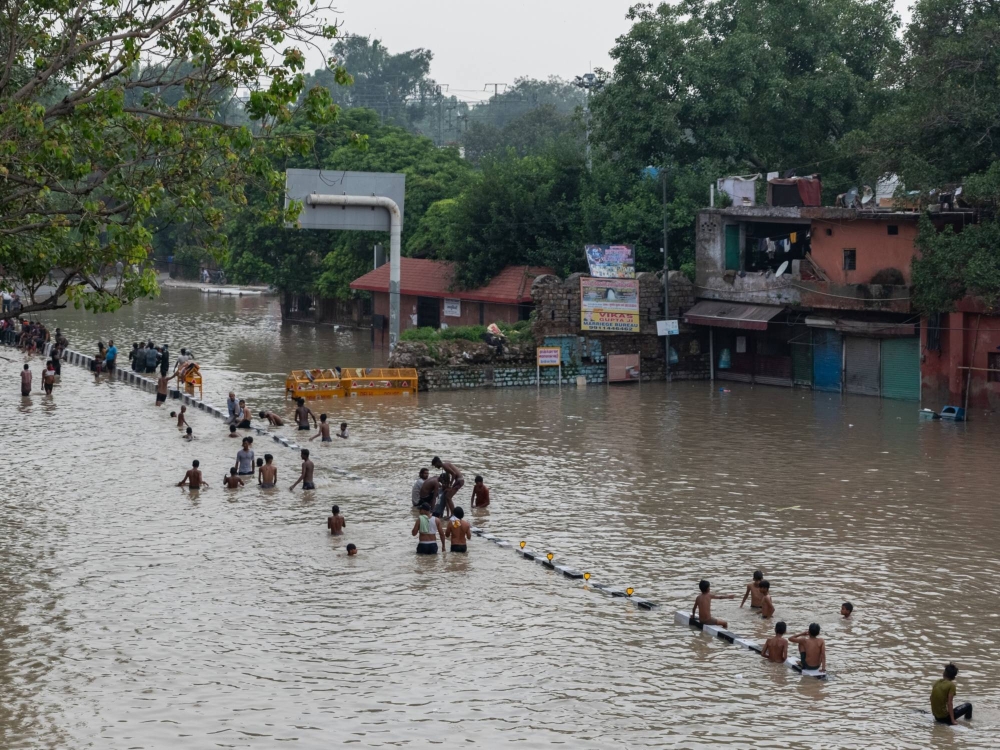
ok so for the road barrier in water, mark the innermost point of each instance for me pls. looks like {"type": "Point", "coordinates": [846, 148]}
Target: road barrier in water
{"type": "Point", "coordinates": [683, 618]}
{"type": "Point", "coordinates": [546, 560]}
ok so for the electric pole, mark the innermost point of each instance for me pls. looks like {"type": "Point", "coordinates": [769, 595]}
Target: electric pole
{"type": "Point", "coordinates": [666, 270]}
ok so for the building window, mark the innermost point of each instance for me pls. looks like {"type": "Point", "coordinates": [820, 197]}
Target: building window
{"type": "Point", "coordinates": [993, 363]}
{"type": "Point", "coordinates": [850, 258]}
{"type": "Point", "coordinates": [893, 229]}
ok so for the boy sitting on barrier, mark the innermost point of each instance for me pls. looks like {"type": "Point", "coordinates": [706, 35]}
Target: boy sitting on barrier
{"type": "Point", "coordinates": [703, 605]}
{"type": "Point", "coordinates": [776, 647]}
{"type": "Point", "coordinates": [812, 648]}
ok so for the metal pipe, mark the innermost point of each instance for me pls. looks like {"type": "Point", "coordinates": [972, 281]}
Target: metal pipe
{"type": "Point", "coordinates": [395, 235]}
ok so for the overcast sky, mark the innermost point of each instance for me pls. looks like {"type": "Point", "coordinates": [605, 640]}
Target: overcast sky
{"type": "Point", "coordinates": [476, 42]}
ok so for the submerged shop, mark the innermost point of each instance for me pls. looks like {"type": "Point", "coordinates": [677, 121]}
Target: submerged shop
{"type": "Point", "coordinates": [772, 345]}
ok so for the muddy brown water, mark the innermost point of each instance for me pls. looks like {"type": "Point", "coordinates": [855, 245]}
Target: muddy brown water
{"type": "Point", "coordinates": [134, 614]}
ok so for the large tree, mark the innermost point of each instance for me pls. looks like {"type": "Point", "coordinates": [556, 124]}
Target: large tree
{"type": "Point", "coordinates": [942, 129]}
{"type": "Point", "coordinates": [110, 116]}
{"type": "Point", "coordinates": [760, 84]}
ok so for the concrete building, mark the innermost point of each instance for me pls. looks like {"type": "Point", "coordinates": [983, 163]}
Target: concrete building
{"type": "Point", "coordinates": [812, 296]}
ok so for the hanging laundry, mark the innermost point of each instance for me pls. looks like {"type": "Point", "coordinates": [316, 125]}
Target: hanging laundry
{"type": "Point", "coordinates": [792, 237]}
{"type": "Point", "coordinates": [786, 245]}
{"type": "Point", "coordinates": [770, 248]}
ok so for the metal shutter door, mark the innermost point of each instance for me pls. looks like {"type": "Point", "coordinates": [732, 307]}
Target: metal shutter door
{"type": "Point", "coordinates": [802, 363]}
{"type": "Point", "coordinates": [827, 357]}
{"type": "Point", "coordinates": [901, 368]}
{"type": "Point", "coordinates": [861, 367]}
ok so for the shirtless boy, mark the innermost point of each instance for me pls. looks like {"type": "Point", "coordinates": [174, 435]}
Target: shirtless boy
{"type": "Point", "coordinates": [343, 431]}
{"type": "Point", "coordinates": [766, 605]}
{"type": "Point", "coordinates": [703, 605]}
{"type": "Point", "coordinates": [26, 381]}
{"type": "Point", "coordinates": [753, 591]}
{"type": "Point", "coordinates": [480, 494]}
{"type": "Point", "coordinates": [429, 490]}
{"type": "Point", "coordinates": [267, 477]}
{"type": "Point", "coordinates": [336, 522]}
{"type": "Point", "coordinates": [459, 532]}
{"type": "Point", "coordinates": [845, 610]}
{"type": "Point", "coordinates": [306, 477]}
{"type": "Point", "coordinates": [351, 550]}
{"type": "Point", "coordinates": [776, 647]}
{"type": "Point", "coordinates": [272, 419]}
{"type": "Point", "coordinates": [181, 420]}
{"type": "Point", "coordinates": [161, 389]}
{"type": "Point", "coordinates": [193, 478]}
{"type": "Point", "coordinates": [188, 434]}
{"type": "Point", "coordinates": [233, 432]}
{"type": "Point", "coordinates": [244, 416]}
{"type": "Point", "coordinates": [232, 481]}
{"type": "Point", "coordinates": [48, 378]}
{"type": "Point", "coordinates": [324, 430]}
{"type": "Point", "coordinates": [302, 414]}
{"type": "Point", "coordinates": [812, 648]}
{"type": "Point", "coordinates": [457, 480]}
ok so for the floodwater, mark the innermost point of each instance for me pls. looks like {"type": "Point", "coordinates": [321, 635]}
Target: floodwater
{"type": "Point", "coordinates": [134, 614]}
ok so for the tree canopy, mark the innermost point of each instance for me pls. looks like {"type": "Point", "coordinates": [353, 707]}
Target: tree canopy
{"type": "Point", "coordinates": [112, 113]}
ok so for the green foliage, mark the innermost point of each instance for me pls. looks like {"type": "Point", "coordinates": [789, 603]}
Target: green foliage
{"type": "Point", "coordinates": [96, 150]}
{"type": "Point", "coordinates": [324, 262]}
{"type": "Point", "coordinates": [758, 85]}
{"type": "Point", "coordinates": [943, 98]}
{"type": "Point", "coordinates": [516, 333]}
{"type": "Point", "coordinates": [954, 265]}
{"type": "Point", "coordinates": [531, 134]}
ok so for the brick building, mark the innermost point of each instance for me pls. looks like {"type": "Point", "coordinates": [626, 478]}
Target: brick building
{"type": "Point", "coordinates": [837, 317]}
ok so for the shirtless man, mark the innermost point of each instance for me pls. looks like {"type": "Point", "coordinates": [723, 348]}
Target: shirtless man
{"type": "Point", "coordinates": [443, 504]}
{"type": "Point", "coordinates": [324, 430]}
{"type": "Point", "coordinates": [480, 494]}
{"type": "Point", "coordinates": [26, 381]}
{"type": "Point", "coordinates": [753, 591]}
{"type": "Point", "coordinates": [776, 647]}
{"type": "Point", "coordinates": [459, 532]}
{"type": "Point", "coordinates": [267, 477]}
{"type": "Point", "coordinates": [181, 420]}
{"type": "Point", "coordinates": [429, 528]}
{"type": "Point", "coordinates": [272, 419]}
{"type": "Point", "coordinates": [232, 481]}
{"type": "Point", "coordinates": [429, 491]}
{"type": "Point", "coordinates": [302, 414]}
{"type": "Point", "coordinates": [193, 478]}
{"type": "Point", "coordinates": [766, 605]}
{"type": "Point", "coordinates": [336, 522]}
{"type": "Point", "coordinates": [161, 389]}
{"type": "Point", "coordinates": [457, 480]}
{"type": "Point", "coordinates": [306, 477]}
{"type": "Point", "coordinates": [244, 416]}
{"type": "Point", "coordinates": [703, 605]}
{"type": "Point", "coordinates": [812, 648]}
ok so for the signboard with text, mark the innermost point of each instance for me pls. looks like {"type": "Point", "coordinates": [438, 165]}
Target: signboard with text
{"type": "Point", "coordinates": [452, 308]}
{"type": "Point", "coordinates": [611, 261]}
{"type": "Point", "coordinates": [549, 356]}
{"type": "Point", "coordinates": [609, 305]}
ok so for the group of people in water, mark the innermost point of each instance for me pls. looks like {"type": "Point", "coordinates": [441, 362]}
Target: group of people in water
{"type": "Point", "coordinates": [812, 648]}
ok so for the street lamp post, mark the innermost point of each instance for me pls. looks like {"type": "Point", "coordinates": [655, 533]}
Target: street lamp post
{"type": "Point", "coordinates": [589, 83]}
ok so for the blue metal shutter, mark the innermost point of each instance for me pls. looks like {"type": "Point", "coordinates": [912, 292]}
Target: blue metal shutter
{"type": "Point", "coordinates": [901, 368]}
{"type": "Point", "coordinates": [827, 356]}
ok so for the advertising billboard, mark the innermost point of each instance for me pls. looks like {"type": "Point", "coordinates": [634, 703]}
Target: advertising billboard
{"type": "Point", "coordinates": [609, 305]}
{"type": "Point", "coordinates": [611, 261]}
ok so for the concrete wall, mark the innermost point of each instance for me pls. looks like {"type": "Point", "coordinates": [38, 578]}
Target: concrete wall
{"type": "Point", "coordinates": [967, 340]}
{"type": "Point", "coordinates": [876, 249]}
{"type": "Point", "coordinates": [492, 313]}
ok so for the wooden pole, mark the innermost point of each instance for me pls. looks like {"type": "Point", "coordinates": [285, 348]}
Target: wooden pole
{"type": "Point", "coordinates": [968, 376]}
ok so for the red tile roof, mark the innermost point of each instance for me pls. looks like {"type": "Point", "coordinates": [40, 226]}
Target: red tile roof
{"type": "Point", "coordinates": [432, 278]}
